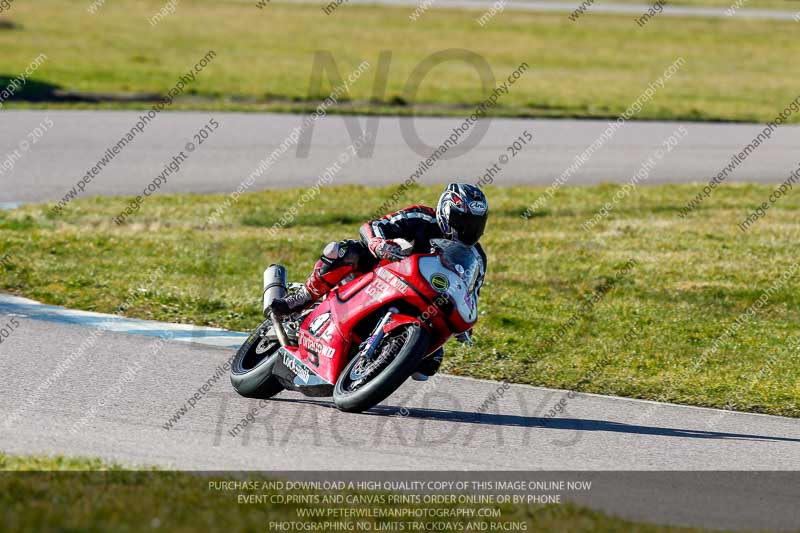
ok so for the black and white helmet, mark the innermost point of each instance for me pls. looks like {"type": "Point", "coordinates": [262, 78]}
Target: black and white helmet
{"type": "Point", "coordinates": [462, 213]}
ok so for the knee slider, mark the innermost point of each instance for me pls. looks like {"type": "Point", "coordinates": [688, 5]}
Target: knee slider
{"type": "Point", "coordinates": [331, 251]}
{"type": "Point", "coordinates": [338, 254]}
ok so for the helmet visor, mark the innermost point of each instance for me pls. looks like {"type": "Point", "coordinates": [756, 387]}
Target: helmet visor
{"type": "Point", "coordinates": [468, 227]}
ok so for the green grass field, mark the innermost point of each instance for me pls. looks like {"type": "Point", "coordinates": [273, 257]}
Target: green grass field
{"type": "Point", "coordinates": [735, 69]}
{"type": "Point", "coordinates": [74, 496]}
{"type": "Point", "coordinates": [643, 339]}
{"type": "Point", "coordinates": [783, 5]}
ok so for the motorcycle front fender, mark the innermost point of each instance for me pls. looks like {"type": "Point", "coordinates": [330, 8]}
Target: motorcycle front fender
{"type": "Point", "coordinates": [399, 320]}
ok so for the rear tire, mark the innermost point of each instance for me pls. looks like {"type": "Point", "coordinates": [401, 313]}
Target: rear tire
{"type": "Point", "coordinates": [357, 395]}
{"type": "Point", "coordinates": [251, 370]}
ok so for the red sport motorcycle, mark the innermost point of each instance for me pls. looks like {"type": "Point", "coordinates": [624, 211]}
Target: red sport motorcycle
{"type": "Point", "coordinates": [364, 338]}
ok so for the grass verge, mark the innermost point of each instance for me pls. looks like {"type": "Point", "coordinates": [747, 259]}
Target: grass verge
{"type": "Point", "coordinates": [542, 322]}
{"type": "Point", "coordinates": [596, 67]}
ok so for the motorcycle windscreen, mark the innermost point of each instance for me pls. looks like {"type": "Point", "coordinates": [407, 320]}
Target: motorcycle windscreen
{"type": "Point", "coordinates": [455, 271]}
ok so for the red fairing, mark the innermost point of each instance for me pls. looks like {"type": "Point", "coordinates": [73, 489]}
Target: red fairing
{"type": "Point", "coordinates": [321, 342]}
{"type": "Point", "coordinates": [328, 335]}
{"type": "Point", "coordinates": [451, 322]}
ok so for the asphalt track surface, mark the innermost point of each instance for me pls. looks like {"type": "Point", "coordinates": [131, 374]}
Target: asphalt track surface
{"type": "Point", "coordinates": [78, 139]}
{"type": "Point", "coordinates": [123, 419]}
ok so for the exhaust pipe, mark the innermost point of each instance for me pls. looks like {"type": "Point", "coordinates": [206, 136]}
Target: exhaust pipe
{"type": "Point", "coordinates": [274, 285]}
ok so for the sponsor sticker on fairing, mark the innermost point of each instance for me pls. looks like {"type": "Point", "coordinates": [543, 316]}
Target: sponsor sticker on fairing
{"type": "Point", "coordinates": [393, 281]}
{"type": "Point", "coordinates": [316, 325]}
{"type": "Point", "coordinates": [377, 288]}
{"type": "Point", "coordinates": [440, 282]}
{"type": "Point", "coordinates": [296, 366]}
{"type": "Point", "coordinates": [327, 335]}
{"type": "Point", "coordinates": [316, 346]}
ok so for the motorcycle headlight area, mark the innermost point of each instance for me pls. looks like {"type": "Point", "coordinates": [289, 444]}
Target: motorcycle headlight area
{"type": "Point", "coordinates": [448, 282]}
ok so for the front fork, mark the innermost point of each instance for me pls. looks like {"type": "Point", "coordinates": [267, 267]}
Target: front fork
{"type": "Point", "coordinates": [369, 346]}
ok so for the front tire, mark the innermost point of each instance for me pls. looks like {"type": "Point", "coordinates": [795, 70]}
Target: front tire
{"type": "Point", "coordinates": [251, 370]}
{"type": "Point", "coordinates": [364, 384]}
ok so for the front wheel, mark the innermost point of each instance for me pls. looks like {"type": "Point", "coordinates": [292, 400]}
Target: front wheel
{"type": "Point", "coordinates": [251, 370]}
{"type": "Point", "coordinates": [366, 382]}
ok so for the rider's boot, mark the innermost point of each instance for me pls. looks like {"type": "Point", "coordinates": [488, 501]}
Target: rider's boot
{"type": "Point", "coordinates": [429, 366]}
{"type": "Point", "coordinates": [339, 260]}
{"type": "Point", "coordinates": [315, 287]}
{"type": "Point", "coordinates": [293, 303]}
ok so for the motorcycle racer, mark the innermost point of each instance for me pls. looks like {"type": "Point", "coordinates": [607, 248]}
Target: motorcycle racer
{"type": "Point", "coordinates": [460, 215]}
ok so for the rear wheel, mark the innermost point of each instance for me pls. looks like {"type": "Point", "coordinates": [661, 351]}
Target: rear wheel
{"type": "Point", "coordinates": [251, 370]}
{"type": "Point", "coordinates": [366, 382]}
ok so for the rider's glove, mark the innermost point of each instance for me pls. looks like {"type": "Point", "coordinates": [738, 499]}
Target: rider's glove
{"type": "Point", "coordinates": [385, 249]}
